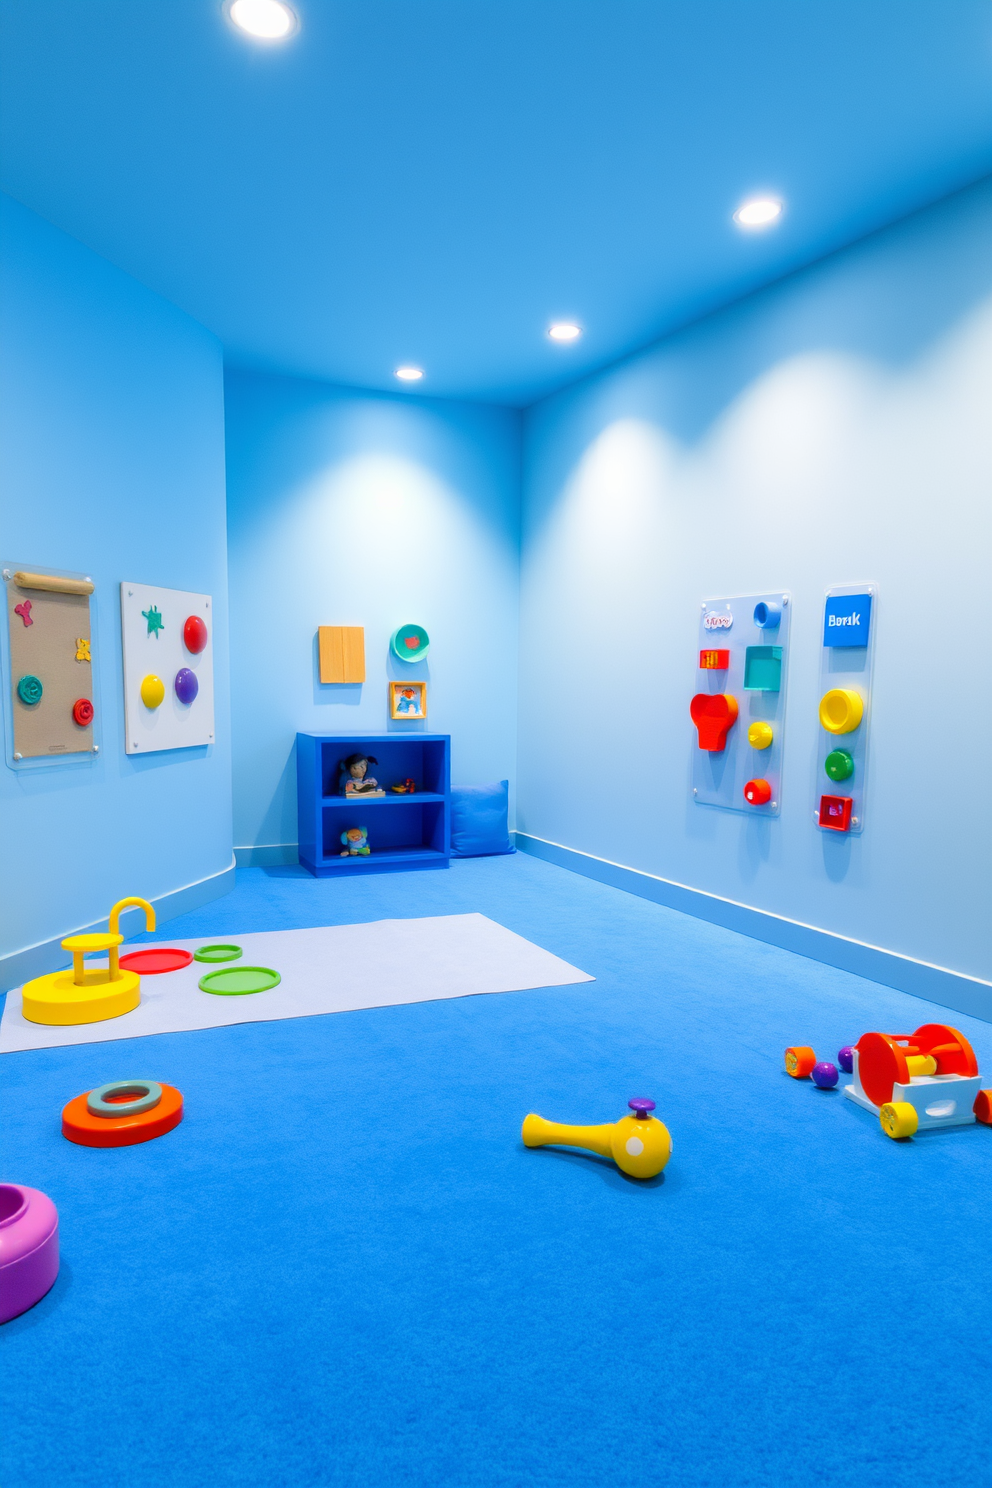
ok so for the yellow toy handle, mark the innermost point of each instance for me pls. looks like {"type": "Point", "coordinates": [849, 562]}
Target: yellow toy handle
{"type": "Point", "coordinates": [115, 927]}
{"type": "Point", "coordinates": [537, 1133]}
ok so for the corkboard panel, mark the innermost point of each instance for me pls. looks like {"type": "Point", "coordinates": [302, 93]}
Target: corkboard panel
{"type": "Point", "coordinates": [47, 649]}
{"type": "Point", "coordinates": [342, 653]}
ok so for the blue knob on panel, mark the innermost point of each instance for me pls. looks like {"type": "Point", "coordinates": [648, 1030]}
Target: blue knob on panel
{"type": "Point", "coordinates": [767, 616]}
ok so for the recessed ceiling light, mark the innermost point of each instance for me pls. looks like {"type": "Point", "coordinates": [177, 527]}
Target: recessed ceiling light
{"type": "Point", "coordinates": [761, 211]}
{"type": "Point", "coordinates": [268, 20]}
{"type": "Point", "coordinates": [564, 330]}
{"type": "Point", "coordinates": [409, 374]}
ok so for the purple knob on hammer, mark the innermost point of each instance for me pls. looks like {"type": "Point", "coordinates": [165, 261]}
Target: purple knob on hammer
{"type": "Point", "coordinates": [641, 1107]}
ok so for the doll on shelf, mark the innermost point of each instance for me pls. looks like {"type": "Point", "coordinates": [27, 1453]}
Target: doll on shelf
{"type": "Point", "coordinates": [354, 779]}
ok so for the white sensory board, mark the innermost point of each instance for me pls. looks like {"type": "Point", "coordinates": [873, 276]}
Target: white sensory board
{"type": "Point", "coordinates": [155, 647]}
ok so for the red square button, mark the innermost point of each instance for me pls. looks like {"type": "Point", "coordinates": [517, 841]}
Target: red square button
{"type": "Point", "coordinates": [714, 661]}
{"type": "Point", "coordinates": [835, 812]}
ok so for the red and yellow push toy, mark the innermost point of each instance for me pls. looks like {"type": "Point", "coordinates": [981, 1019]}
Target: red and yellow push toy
{"type": "Point", "coordinates": [912, 1081]}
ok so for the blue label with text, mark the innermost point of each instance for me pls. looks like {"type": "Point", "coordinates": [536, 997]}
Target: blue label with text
{"type": "Point", "coordinates": [846, 619]}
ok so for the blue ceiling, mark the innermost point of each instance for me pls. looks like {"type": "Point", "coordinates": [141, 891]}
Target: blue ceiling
{"type": "Point", "coordinates": [435, 180]}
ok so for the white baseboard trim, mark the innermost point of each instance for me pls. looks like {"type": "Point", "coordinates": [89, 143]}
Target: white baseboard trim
{"type": "Point", "coordinates": [268, 855]}
{"type": "Point", "coordinates": [48, 955]}
{"type": "Point", "coordinates": [950, 989]}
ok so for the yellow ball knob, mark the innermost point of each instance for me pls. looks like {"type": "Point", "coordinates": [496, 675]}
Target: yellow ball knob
{"type": "Point", "coordinates": [152, 691]}
{"type": "Point", "coordinates": [841, 710]}
{"type": "Point", "coordinates": [760, 735]}
{"type": "Point", "coordinates": [641, 1148]}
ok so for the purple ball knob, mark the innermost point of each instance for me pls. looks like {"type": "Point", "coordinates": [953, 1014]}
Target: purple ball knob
{"type": "Point", "coordinates": [845, 1058]}
{"type": "Point", "coordinates": [186, 685]}
{"type": "Point", "coordinates": [641, 1107]}
{"type": "Point", "coordinates": [825, 1075]}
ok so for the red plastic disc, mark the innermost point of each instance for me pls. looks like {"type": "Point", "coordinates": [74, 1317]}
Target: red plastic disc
{"type": "Point", "coordinates": [194, 635]}
{"type": "Point", "coordinates": [82, 712]}
{"type": "Point", "coordinates": [81, 1126]}
{"type": "Point", "coordinates": [153, 960]}
{"type": "Point", "coordinates": [881, 1063]}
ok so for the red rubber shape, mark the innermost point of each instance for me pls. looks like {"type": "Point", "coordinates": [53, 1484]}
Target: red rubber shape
{"type": "Point", "coordinates": [194, 635]}
{"type": "Point", "coordinates": [835, 812]}
{"type": "Point", "coordinates": [757, 792]}
{"type": "Point", "coordinates": [82, 712]}
{"type": "Point", "coordinates": [714, 714]}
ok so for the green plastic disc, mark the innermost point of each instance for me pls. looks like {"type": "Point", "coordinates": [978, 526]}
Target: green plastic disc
{"type": "Point", "coordinates": [235, 981]}
{"type": "Point", "coordinates": [839, 765]}
{"type": "Point", "coordinates": [29, 689]}
{"type": "Point", "coordinates": [410, 643]}
{"type": "Point", "coordinates": [217, 953]}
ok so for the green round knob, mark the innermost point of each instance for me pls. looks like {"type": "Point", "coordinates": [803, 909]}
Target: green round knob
{"type": "Point", "coordinates": [838, 764]}
{"type": "Point", "coordinates": [29, 690]}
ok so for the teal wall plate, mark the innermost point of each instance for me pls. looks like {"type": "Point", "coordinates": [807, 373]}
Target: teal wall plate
{"type": "Point", "coordinates": [410, 643]}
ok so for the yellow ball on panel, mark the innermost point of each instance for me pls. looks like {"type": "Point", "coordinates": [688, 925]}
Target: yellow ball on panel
{"type": "Point", "coordinates": [152, 691]}
{"type": "Point", "coordinates": [760, 735]}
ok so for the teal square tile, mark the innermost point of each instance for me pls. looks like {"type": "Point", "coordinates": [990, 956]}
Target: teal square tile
{"type": "Point", "coordinates": [763, 668]}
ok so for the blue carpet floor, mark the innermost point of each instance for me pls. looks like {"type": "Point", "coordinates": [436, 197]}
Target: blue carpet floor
{"type": "Point", "coordinates": [343, 1268]}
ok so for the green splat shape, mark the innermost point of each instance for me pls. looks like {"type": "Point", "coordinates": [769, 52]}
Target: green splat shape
{"type": "Point", "coordinates": [154, 619]}
{"type": "Point", "coordinates": [763, 668]}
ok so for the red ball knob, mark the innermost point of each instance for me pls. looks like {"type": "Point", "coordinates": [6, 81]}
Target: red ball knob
{"type": "Point", "coordinates": [194, 635]}
{"type": "Point", "coordinates": [757, 792]}
{"type": "Point", "coordinates": [82, 712]}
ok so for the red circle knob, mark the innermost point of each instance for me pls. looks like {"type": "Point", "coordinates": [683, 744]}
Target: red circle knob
{"type": "Point", "coordinates": [194, 635]}
{"type": "Point", "coordinates": [757, 792]}
{"type": "Point", "coordinates": [82, 712]}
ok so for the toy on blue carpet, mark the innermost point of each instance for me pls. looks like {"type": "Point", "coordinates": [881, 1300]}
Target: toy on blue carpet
{"type": "Point", "coordinates": [80, 996]}
{"type": "Point", "coordinates": [356, 840]}
{"type": "Point", "coordinates": [29, 1248]}
{"type": "Point", "coordinates": [801, 1061]}
{"type": "Point", "coordinates": [122, 1113]}
{"type": "Point", "coordinates": [639, 1144]}
{"type": "Point", "coordinates": [912, 1081]}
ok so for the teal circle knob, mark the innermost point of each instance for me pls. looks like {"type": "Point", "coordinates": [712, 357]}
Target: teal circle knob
{"type": "Point", "coordinates": [29, 690]}
{"type": "Point", "coordinates": [839, 765]}
{"type": "Point", "coordinates": [410, 643]}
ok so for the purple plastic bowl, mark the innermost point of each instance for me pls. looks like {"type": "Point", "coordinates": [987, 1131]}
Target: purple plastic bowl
{"type": "Point", "coordinates": [29, 1248]}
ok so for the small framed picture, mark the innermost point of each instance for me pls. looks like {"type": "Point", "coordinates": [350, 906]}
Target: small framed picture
{"type": "Point", "coordinates": [408, 699]}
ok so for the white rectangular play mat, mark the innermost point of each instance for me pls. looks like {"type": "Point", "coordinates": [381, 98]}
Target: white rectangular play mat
{"type": "Point", "coordinates": [332, 969]}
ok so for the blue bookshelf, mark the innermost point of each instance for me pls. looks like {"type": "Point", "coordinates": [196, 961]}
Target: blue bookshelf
{"type": "Point", "coordinates": [404, 831]}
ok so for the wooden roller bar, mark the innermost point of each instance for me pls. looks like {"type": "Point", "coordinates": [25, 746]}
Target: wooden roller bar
{"type": "Point", "coordinates": [52, 583]}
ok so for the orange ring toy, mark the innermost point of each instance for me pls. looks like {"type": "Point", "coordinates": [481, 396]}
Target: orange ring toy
{"type": "Point", "coordinates": [79, 1125]}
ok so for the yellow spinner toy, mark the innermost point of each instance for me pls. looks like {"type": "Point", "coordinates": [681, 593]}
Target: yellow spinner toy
{"type": "Point", "coordinates": [81, 996]}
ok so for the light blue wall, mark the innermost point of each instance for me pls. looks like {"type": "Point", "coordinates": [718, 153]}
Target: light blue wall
{"type": "Point", "coordinates": [834, 428]}
{"type": "Point", "coordinates": [112, 463]}
{"type": "Point", "coordinates": [348, 508]}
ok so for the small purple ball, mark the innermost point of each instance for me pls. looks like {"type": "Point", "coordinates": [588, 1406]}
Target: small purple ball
{"type": "Point", "coordinates": [825, 1075]}
{"type": "Point", "coordinates": [186, 685]}
{"type": "Point", "coordinates": [845, 1058]}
